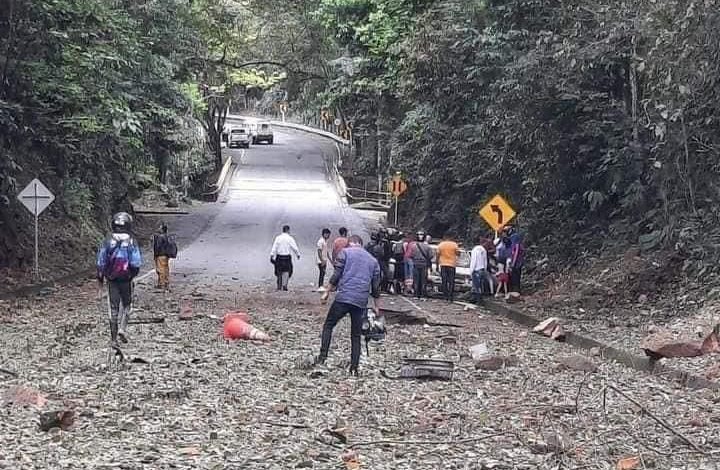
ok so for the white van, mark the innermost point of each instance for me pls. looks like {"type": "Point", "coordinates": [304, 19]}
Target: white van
{"type": "Point", "coordinates": [264, 133]}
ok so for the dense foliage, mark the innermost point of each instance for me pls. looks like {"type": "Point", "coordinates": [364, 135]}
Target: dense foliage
{"type": "Point", "coordinates": [598, 120]}
{"type": "Point", "coordinates": [102, 99]}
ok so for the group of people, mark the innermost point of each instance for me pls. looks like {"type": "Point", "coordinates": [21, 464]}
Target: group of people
{"type": "Point", "coordinates": [407, 262]}
{"type": "Point", "coordinates": [496, 265]}
{"type": "Point", "coordinates": [390, 262]}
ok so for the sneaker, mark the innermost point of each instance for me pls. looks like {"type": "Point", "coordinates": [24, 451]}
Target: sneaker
{"type": "Point", "coordinates": [354, 372]}
{"type": "Point", "coordinates": [320, 361]}
{"type": "Point", "coordinates": [123, 336]}
{"type": "Point", "coordinates": [321, 289]}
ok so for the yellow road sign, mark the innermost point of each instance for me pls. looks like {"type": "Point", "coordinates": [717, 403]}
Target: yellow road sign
{"type": "Point", "coordinates": [397, 186]}
{"type": "Point", "coordinates": [497, 213]}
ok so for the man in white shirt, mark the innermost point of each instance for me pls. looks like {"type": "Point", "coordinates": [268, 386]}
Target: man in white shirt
{"type": "Point", "coordinates": [479, 271]}
{"type": "Point", "coordinates": [283, 248]}
{"type": "Point", "coordinates": [322, 254]}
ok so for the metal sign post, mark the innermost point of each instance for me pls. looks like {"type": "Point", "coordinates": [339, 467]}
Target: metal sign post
{"type": "Point", "coordinates": [36, 198]}
{"type": "Point", "coordinates": [397, 202]}
{"type": "Point", "coordinates": [397, 187]}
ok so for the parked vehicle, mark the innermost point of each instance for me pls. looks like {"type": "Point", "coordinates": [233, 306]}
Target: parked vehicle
{"type": "Point", "coordinates": [239, 137]}
{"type": "Point", "coordinates": [463, 276]}
{"type": "Point", "coordinates": [264, 133]}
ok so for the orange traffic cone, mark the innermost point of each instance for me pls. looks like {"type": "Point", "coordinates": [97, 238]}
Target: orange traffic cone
{"type": "Point", "coordinates": [239, 314]}
{"type": "Point", "coordinates": [236, 328]}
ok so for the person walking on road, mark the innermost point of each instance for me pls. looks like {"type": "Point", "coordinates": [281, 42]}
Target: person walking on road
{"type": "Point", "coordinates": [283, 248]}
{"type": "Point", "coordinates": [118, 262]}
{"type": "Point", "coordinates": [164, 249]}
{"type": "Point", "coordinates": [356, 279]}
{"type": "Point", "coordinates": [479, 271]}
{"type": "Point", "coordinates": [446, 260]}
{"type": "Point", "coordinates": [339, 243]}
{"type": "Point", "coordinates": [422, 260]}
{"type": "Point", "coordinates": [322, 255]}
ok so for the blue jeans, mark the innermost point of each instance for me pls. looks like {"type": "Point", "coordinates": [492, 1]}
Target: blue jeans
{"type": "Point", "coordinates": [480, 277]}
{"type": "Point", "coordinates": [336, 313]}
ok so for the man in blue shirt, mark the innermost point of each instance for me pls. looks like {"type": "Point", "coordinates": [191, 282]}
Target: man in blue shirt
{"type": "Point", "coordinates": [356, 278]}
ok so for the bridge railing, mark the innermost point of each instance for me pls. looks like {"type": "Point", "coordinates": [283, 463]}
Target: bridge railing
{"type": "Point", "coordinates": [381, 198]}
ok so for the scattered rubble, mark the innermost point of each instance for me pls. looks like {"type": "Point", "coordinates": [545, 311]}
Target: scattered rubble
{"type": "Point", "coordinates": [201, 402]}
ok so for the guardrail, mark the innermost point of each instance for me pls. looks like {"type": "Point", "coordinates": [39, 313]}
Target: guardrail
{"type": "Point", "coordinates": [334, 164]}
{"type": "Point", "coordinates": [224, 172]}
{"type": "Point", "coordinates": [382, 198]}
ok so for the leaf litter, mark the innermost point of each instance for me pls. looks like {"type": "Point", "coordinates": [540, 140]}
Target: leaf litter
{"type": "Point", "coordinates": [199, 401]}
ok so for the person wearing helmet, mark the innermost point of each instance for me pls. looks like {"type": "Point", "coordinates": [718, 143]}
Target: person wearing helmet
{"type": "Point", "coordinates": [422, 260]}
{"type": "Point", "coordinates": [118, 261]}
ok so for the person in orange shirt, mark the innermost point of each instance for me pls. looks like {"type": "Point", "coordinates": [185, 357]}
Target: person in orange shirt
{"type": "Point", "coordinates": [446, 260]}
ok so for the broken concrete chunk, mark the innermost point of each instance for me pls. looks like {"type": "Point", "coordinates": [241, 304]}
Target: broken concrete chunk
{"type": "Point", "coordinates": [479, 351]}
{"type": "Point", "coordinates": [551, 328]}
{"type": "Point", "coordinates": [660, 346]}
{"type": "Point", "coordinates": [496, 362]}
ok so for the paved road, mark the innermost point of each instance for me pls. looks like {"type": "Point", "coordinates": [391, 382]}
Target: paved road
{"type": "Point", "coordinates": [283, 183]}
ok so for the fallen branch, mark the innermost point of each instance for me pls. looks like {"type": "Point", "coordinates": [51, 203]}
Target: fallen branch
{"type": "Point", "coordinates": [286, 425]}
{"type": "Point", "coordinates": [143, 321]}
{"type": "Point", "coordinates": [447, 442]}
{"type": "Point", "coordinates": [658, 420]}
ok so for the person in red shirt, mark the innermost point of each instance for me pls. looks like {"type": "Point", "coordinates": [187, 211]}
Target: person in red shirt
{"type": "Point", "coordinates": [340, 243]}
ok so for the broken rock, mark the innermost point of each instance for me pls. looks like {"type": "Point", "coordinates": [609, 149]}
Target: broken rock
{"type": "Point", "coordinates": [660, 346]}
{"type": "Point", "coordinates": [496, 362]}
{"type": "Point", "coordinates": [22, 396]}
{"type": "Point", "coordinates": [628, 463]}
{"type": "Point", "coordinates": [551, 328]}
{"type": "Point", "coordinates": [62, 419]}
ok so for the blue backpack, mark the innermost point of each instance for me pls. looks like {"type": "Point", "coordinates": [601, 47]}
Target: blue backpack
{"type": "Point", "coordinates": [117, 258]}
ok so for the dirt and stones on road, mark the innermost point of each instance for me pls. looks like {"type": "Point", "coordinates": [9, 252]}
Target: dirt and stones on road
{"type": "Point", "coordinates": [202, 403]}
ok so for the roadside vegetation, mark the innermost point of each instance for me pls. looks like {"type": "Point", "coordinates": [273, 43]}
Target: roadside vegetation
{"type": "Point", "coordinates": [598, 121]}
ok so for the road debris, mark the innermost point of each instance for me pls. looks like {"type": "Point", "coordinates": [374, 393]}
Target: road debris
{"type": "Point", "coordinates": [268, 407]}
{"type": "Point", "coordinates": [62, 419]}
{"type": "Point", "coordinates": [659, 346]}
{"type": "Point", "coordinates": [552, 328]}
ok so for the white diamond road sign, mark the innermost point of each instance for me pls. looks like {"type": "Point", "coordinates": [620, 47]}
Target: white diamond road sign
{"type": "Point", "coordinates": [36, 197]}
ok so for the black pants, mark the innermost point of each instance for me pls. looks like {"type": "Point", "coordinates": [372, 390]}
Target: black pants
{"type": "Point", "coordinates": [322, 267]}
{"type": "Point", "coordinates": [120, 295]}
{"type": "Point", "coordinates": [336, 313]}
{"type": "Point", "coordinates": [420, 280]}
{"type": "Point", "coordinates": [447, 274]}
{"type": "Point", "coordinates": [283, 270]}
{"type": "Point", "coordinates": [515, 276]}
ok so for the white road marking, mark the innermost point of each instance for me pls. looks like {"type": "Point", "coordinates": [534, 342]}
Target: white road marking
{"type": "Point", "coordinates": [144, 276]}
{"type": "Point", "coordinates": [412, 303]}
